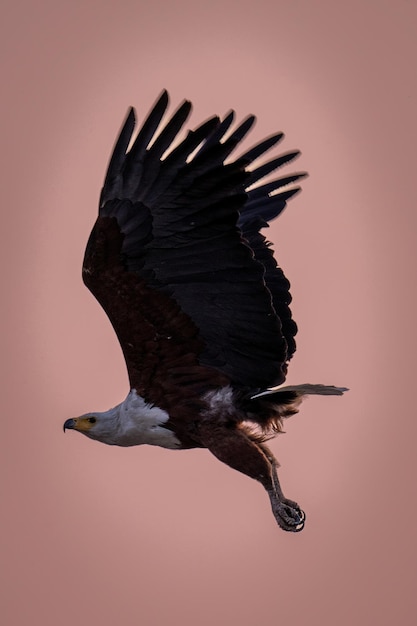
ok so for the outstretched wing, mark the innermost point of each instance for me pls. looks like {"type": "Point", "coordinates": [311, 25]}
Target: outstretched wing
{"type": "Point", "coordinates": [194, 299]}
{"type": "Point", "coordinates": [259, 209]}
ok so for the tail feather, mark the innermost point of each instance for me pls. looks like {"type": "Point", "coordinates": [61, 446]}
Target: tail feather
{"type": "Point", "coordinates": [305, 389]}
{"type": "Point", "coordinates": [276, 404]}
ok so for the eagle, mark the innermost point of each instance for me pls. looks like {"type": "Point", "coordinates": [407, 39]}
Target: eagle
{"type": "Point", "coordinates": [198, 302]}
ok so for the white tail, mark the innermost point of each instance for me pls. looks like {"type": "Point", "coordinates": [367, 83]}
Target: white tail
{"type": "Point", "coordinates": [304, 390]}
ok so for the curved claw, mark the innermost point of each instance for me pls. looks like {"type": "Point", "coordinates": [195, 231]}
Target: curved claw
{"type": "Point", "coordinates": [289, 516]}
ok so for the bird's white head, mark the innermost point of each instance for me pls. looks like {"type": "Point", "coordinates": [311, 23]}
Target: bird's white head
{"type": "Point", "coordinates": [131, 423]}
{"type": "Point", "coordinates": [100, 426]}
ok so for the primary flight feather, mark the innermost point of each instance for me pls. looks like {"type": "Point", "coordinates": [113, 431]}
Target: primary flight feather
{"type": "Point", "coordinates": [195, 296]}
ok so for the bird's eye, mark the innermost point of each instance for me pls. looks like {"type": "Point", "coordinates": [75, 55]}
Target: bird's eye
{"type": "Point", "coordinates": [92, 420]}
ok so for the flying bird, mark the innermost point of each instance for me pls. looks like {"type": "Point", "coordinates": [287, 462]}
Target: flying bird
{"type": "Point", "coordinates": [199, 305]}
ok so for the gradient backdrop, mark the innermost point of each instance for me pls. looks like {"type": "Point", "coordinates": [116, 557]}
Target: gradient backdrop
{"type": "Point", "coordinates": [100, 535]}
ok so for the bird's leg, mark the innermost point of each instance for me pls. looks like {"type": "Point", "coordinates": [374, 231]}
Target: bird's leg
{"type": "Point", "coordinates": [233, 446]}
{"type": "Point", "coordinates": [279, 502]}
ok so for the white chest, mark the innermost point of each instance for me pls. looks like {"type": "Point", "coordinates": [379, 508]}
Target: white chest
{"type": "Point", "coordinates": [139, 423]}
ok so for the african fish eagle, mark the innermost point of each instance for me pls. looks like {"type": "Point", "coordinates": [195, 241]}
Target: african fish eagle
{"type": "Point", "coordinates": [195, 296]}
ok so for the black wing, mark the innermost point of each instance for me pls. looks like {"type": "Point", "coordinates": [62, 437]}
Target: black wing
{"type": "Point", "coordinates": [170, 224]}
{"type": "Point", "coordinates": [259, 209]}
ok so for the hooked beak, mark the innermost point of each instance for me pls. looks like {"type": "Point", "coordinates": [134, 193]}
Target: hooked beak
{"type": "Point", "coordinates": [70, 423]}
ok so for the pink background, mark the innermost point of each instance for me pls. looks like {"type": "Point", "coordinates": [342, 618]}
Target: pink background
{"type": "Point", "coordinates": [100, 535]}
